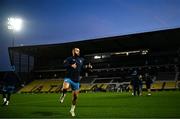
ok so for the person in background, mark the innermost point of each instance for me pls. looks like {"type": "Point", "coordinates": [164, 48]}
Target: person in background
{"type": "Point", "coordinates": [149, 81]}
{"type": "Point", "coordinates": [8, 84]}
{"type": "Point", "coordinates": [140, 84]}
{"type": "Point", "coordinates": [135, 82]}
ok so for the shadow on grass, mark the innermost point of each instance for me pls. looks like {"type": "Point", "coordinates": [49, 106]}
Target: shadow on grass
{"type": "Point", "coordinates": [43, 113]}
{"type": "Point", "coordinates": [47, 114]}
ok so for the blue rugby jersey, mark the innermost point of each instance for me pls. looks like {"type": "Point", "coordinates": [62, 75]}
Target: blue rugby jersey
{"type": "Point", "coordinates": [73, 74]}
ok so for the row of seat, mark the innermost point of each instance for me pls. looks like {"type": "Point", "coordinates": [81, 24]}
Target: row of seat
{"type": "Point", "coordinates": [158, 85]}
{"type": "Point", "coordinates": [51, 86]}
{"type": "Point", "coordinates": [162, 85]}
{"type": "Point", "coordinates": [42, 86]}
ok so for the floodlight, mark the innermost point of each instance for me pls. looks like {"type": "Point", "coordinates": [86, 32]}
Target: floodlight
{"type": "Point", "coordinates": [14, 24]}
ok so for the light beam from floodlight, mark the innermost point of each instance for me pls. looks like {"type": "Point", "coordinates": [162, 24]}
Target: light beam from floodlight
{"type": "Point", "coordinates": [14, 24]}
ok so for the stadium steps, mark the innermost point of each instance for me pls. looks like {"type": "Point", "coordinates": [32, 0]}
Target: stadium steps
{"type": "Point", "coordinates": [86, 87]}
{"type": "Point", "coordinates": [104, 87]}
{"type": "Point", "coordinates": [29, 87]}
{"type": "Point", "coordinates": [42, 86]}
{"type": "Point", "coordinates": [170, 85]}
{"type": "Point", "coordinates": [158, 85]}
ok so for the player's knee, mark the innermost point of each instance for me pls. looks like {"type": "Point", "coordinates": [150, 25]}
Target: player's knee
{"type": "Point", "coordinates": [65, 85]}
{"type": "Point", "coordinates": [64, 90]}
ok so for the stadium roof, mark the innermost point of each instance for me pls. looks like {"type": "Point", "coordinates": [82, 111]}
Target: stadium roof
{"type": "Point", "coordinates": [156, 40]}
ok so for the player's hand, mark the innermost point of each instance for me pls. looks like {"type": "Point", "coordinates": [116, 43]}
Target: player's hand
{"type": "Point", "coordinates": [74, 65]}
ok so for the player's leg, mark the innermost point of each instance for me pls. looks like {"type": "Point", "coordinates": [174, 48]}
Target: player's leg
{"type": "Point", "coordinates": [75, 87]}
{"type": "Point", "coordinates": [4, 97]}
{"type": "Point", "coordinates": [134, 89]}
{"type": "Point", "coordinates": [4, 94]}
{"type": "Point", "coordinates": [8, 98]}
{"type": "Point", "coordinates": [64, 90]}
{"type": "Point", "coordinates": [8, 94]}
{"type": "Point", "coordinates": [138, 90]}
{"type": "Point", "coordinates": [74, 101]}
{"type": "Point", "coordinates": [149, 89]}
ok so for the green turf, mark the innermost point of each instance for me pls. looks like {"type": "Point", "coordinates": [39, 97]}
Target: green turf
{"type": "Point", "coordinates": [95, 105]}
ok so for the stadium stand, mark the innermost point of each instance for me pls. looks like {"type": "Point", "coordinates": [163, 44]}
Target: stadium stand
{"type": "Point", "coordinates": [86, 87]}
{"type": "Point", "coordinates": [158, 85]}
{"type": "Point", "coordinates": [113, 60]}
{"type": "Point", "coordinates": [43, 86]}
{"type": "Point", "coordinates": [170, 85]}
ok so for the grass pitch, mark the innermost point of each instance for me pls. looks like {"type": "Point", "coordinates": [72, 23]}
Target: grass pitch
{"type": "Point", "coordinates": [162, 104]}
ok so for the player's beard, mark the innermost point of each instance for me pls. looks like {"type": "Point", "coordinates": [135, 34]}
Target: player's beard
{"type": "Point", "coordinates": [76, 55]}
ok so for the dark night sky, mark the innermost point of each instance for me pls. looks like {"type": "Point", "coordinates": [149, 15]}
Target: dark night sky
{"type": "Point", "coordinates": [57, 21]}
